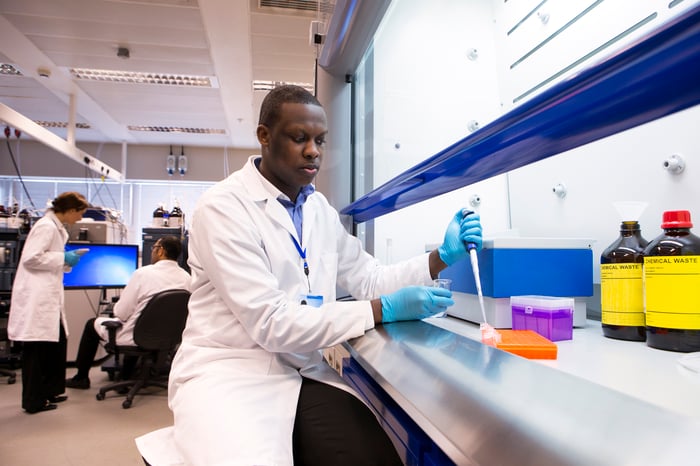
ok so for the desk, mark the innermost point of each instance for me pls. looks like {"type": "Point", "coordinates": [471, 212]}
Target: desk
{"type": "Point", "coordinates": [602, 402]}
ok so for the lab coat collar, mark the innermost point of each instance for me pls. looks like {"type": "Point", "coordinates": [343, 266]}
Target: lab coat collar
{"type": "Point", "coordinates": [261, 190]}
{"type": "Point", "coordinates": [59, 226]}
{"type": "Point", "coordinates": [267, 189]}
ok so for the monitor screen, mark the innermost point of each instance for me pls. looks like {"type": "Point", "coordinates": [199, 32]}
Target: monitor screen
{"type": "Point", "coordinates": [103, 266]}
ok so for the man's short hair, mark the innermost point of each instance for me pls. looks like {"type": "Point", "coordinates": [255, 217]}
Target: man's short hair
{"type": "Point", "coordinates": [287, 94]}
{"type": "Point", "coordinates": [172, 246]}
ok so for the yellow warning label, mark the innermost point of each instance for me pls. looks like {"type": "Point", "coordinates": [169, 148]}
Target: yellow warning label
{"type": "Point", "coordinates": [672, 291]}
{"type": "Point", "coordinates": [622, 294]}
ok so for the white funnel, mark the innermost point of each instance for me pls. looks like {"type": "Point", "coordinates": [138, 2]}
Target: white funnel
{"type": "Point", "coordinates": [630, 210]}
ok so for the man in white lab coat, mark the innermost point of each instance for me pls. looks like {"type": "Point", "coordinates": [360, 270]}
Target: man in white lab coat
{"type": "Point", "coordinates": [163, 273]}
{"type": "Point", "coordinates": [248, 385]}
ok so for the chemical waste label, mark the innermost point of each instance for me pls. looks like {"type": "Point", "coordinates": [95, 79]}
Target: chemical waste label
{"type": "Point", "coordinates": [622, 294]}
{"type": "Point", "coordinates": [672, 291]}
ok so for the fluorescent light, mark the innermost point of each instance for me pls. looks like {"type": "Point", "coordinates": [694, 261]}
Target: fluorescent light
{"type": "Point", "coordinates": [136, 77]}
{"type": "Point", "coordinates": [176, 129]}
{"type": "Point", "coordinates": [7, 68]}
{"type": "Point", "coordinates": [259, 85]}
{"type": "Point", "coordinates": [60, 124]}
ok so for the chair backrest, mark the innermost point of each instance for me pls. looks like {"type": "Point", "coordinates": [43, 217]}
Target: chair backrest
{"type": "Point", "coordinates": [160, 325]}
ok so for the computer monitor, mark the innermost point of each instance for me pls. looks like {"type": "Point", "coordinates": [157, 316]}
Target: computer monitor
{"type": "Point", "coordinates": [103, 266]}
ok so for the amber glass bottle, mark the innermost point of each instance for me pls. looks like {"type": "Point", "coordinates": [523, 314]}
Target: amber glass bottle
{"type": "Point", "coordinates": [672, 285]}
{"type": "Point", "coordinates": [621, 290]}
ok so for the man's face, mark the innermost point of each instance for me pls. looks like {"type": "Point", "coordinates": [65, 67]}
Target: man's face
{"type": "Point", "coordinates": [292, 150]}
{"type": "Point", "coordinates": [156, 252]}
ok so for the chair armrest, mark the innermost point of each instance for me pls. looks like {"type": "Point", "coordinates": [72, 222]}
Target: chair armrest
{"type": "Point", "coordinates": [112, 326]}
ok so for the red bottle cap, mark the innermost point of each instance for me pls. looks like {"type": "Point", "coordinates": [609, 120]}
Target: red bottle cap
{"type": "Point", "coordinates": [676, 219]}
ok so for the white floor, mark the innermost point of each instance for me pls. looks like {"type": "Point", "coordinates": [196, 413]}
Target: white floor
{"type": "Point", "coordinates": [82, 431]}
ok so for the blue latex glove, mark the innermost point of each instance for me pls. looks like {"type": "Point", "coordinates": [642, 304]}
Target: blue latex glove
{"type": "Point", "coordinates": [414, 303]}
{"type": "Point", "coordinates": [71, 258]}
{"type": "Point", "coordinates": [464, 229]}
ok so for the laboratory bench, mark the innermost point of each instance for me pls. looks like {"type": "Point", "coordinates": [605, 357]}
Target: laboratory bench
{"type": "Point", "coordinates": [444, 397]}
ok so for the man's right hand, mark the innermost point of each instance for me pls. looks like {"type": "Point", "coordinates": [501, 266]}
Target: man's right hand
{"type": "Point", "coordinates": [415, 303]}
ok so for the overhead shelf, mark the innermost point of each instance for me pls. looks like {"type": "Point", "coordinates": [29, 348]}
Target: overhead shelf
{"type": "Point", "coordinates": [15, 119]}
{"type": "Point", "coordinates": [657, 76]}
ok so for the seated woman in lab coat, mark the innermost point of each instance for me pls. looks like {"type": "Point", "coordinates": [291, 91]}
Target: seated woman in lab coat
{"type": "Point", "coordinates": [249, 384]}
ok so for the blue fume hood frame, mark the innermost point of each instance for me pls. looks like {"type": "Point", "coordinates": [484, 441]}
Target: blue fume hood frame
{"type": "Point", "coordinates": [655, 77]}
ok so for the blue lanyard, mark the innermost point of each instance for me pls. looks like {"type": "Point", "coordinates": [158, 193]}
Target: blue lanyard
{"type": "Point", "coordinates": [302, 254]}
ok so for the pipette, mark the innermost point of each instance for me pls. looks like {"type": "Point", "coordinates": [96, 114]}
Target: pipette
{"type": "Point", "coordinates": [489, 335]}
{"type": "Point", "coordinates": [471, 247]}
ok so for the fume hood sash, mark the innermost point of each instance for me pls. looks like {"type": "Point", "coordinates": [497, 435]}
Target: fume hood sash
{"type": "Point", "coordinates": [657, 76]}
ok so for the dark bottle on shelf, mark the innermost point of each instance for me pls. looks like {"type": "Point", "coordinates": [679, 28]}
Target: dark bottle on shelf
{"type": "Point", "coordinates": [176, 217]}
{"type": "Point", "coordinates": [158, 216]}
{"type": "Point", "coordinates": [621, 288]}
{"type": "Point", "coordinates": [672, 285]}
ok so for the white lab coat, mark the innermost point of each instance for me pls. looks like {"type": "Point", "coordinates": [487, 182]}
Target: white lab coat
{"type": "Point", "coordinates": [235, 380]}
{"type": "Point", "coordinates": [144, 283]}
{"type": "Point", "coordinates": [36, 305]}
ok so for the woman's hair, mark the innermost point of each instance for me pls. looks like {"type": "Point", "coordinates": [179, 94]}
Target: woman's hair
{"type": "Point", "coordinates": [69, 200]}
{"type": "Point", "coordinates": [288, 94]}
{"type": "Point", "coordinates": [172, 246]}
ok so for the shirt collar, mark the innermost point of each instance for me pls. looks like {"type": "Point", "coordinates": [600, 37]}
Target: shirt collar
{"type": "Point", "coordinates": [305, 192]}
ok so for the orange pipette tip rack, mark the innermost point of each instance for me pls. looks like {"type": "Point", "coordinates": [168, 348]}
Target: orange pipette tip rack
{"type": "Point", "coordinates": [527, 344]}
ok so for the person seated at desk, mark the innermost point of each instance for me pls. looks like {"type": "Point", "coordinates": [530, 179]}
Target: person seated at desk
{"type": "Point", "coordinates": [163, 273]}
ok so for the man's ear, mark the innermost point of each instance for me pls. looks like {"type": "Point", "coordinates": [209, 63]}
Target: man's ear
{"type": "Point", "coordinates": [263, 134]}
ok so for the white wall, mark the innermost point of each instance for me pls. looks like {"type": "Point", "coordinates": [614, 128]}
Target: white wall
{"type": "Point", "coordinates": [426, 91]}
{"type": "Point", "coordinates": [626, 166]}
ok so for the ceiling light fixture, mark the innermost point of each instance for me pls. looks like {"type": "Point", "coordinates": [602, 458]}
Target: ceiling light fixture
{"type": "Point", "coordinates": [135, 77]}
{"type": "Point", "coordinates": [8, 69]}
{"type": "Point", "coordinates": [175, 129]}
{"type": "Point", "coordinates": [259, 85]}
{"type": "Point", "coordinates": [60, 124]}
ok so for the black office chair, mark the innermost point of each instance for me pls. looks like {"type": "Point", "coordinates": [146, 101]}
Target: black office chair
{"type": "Point", "coordinates": [157, 334]}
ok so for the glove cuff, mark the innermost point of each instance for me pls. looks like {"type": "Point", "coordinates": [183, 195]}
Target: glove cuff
{"type": "Point", "coordinates": [386, 309]}
{"type": "Point", "coordinates": [444, 256]}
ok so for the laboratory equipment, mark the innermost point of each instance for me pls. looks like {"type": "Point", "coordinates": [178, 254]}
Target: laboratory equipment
{"type": "Point", "coordinates": [550, 316]}
{"type": "Point", "coordinates": [516, 266]}
{"type": "Point", "coordinates": [526, 343]}
{"type": "Point", "coordinates": [445, 283]}
{"type": "Point", "coordinates": [176, 217]}
{"type": "Point", "coordinates": [672, 285]}
{"type": "Point", "coordinates": [105, 266]}
{"type": "Point", "coordinates": [621, 287]}
{"type": "Point", "coordinates": [159, 216]}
